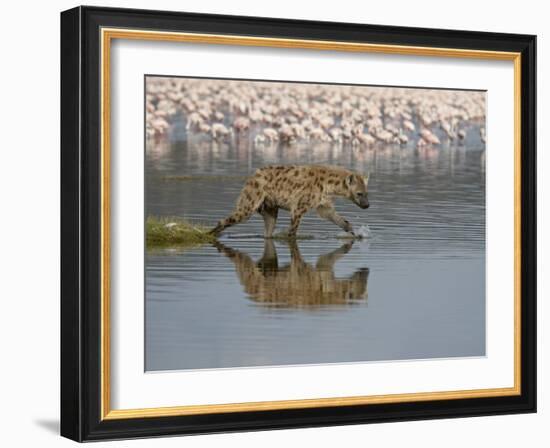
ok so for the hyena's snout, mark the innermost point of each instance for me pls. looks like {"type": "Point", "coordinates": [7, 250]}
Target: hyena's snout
{"type": "Point", "coordinates": [362, 200]}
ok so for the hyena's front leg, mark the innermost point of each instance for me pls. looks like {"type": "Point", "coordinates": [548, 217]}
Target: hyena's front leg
{"type": "Point", "coordinates": [327, 211]}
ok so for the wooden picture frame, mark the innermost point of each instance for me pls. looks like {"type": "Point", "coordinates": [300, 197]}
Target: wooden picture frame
{"type": "Point", "coordinates": [86, 35]}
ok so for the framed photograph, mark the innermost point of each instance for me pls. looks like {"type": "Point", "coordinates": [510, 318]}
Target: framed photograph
{"type": "Point", "coordinates": [275, 224]}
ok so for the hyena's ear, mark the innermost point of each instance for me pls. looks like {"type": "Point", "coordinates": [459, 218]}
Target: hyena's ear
{"type": "Point", "coordinates": [366, 179]}
{"type": "Point", "coordinates": [349, 180]}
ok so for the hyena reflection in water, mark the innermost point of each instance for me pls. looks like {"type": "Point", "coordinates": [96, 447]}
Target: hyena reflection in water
{"type": "Point", "coordinates": [297, 284]}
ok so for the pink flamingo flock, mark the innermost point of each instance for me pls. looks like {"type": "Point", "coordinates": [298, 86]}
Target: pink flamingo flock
{"type": "Point", "coordinates": [270, 113]}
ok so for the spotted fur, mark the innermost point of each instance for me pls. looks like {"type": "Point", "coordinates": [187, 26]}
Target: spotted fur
{"type": "Point", "coordinates": [297, 189]}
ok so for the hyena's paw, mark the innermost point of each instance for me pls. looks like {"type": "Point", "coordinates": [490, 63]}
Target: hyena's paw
{"type": "Point", "coordinates": [350, 235]}
{"type": "Point", "coordinates": [348, 227]}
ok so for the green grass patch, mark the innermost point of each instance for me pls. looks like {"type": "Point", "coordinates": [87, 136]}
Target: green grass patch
{"type": "Point", "coordinates": [172, 231]}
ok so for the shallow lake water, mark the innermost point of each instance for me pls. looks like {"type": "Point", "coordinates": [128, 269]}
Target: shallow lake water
{"type": "Point", "coordinates": [413, 289]}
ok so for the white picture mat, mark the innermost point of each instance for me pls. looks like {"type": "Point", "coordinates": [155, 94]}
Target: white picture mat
{"type": "Point", "coordinates": [131, 387]}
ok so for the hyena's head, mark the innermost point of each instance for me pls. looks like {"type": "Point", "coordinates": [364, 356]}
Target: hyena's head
{"type": "Point", "coordinates": [356, 185]}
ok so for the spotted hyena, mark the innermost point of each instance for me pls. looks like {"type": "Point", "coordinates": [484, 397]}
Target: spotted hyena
{"type": "Point", "coordinates": [297, 189]}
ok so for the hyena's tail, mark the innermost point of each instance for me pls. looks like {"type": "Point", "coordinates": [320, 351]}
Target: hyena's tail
{"type": "Point", "coordinates": [249, 201]}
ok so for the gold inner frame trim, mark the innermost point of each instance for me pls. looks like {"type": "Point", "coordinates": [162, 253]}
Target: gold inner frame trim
{"type": "Point", "coordinates": [107, 35]}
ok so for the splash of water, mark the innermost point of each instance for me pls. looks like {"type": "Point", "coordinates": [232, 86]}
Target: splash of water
{"type": "Point", "coordinates": [362, 232]}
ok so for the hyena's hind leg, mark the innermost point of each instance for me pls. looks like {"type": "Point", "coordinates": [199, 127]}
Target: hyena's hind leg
{"type": "Point", "coordinates": [247, 203]}
{"type": "Point", "coordinates": [269, 213]}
